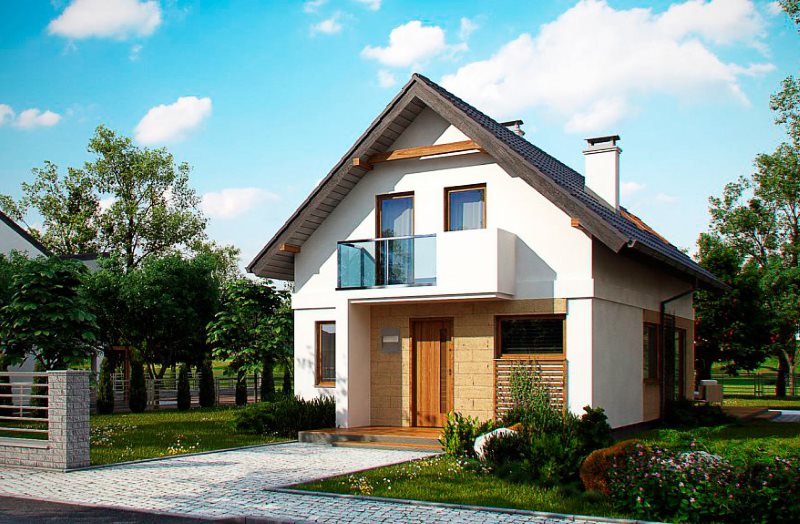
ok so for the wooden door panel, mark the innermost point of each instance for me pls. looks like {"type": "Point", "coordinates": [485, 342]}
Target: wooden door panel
{"type": "Point", "coordinates": [433, 374]}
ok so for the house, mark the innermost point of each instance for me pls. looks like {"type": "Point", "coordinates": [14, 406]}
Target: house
{"type": "Point", "coordinates": [444, 250]}
{"type": "Point", "coordinates": [14, 238]}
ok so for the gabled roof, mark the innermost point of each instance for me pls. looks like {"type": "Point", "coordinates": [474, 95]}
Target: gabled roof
{"type": "Point", "coordinates": [24, 234]}
{"type": "Point", "coordinates": [562, 185]}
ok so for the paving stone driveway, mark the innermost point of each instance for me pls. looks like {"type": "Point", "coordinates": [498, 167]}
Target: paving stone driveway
{"type": "Point", "coordinates": [235, 484]}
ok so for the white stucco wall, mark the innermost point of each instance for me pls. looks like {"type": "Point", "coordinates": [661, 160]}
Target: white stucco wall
{"type": "Point", "coordinates": [579, 354]}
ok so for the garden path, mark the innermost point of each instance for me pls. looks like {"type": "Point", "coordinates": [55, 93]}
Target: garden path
{"type": "Point", "coordinates": [237, 483]}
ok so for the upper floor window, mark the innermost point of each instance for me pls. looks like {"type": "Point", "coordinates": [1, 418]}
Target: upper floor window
{"type": "Point", "coordinates": [465, 207]}
{"type": "Point", "coordinates": [395, 215]}
{"type": "Point", "coordinates": [531, 335]}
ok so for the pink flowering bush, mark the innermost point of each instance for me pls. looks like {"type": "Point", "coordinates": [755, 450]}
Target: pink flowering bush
{"type": "Point", "coordinates": [696, 486]}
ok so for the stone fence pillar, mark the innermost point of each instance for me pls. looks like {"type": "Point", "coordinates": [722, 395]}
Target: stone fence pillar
{"type": "Point", "coordinates": [68, 425]}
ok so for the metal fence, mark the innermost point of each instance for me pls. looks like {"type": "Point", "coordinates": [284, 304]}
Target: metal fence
{"type": "Point", "coordinates": [163, 393]}
{"type": "Point", "coordinates": [23, 405]}
{"type": "Point", "coordinates": [756, 383]}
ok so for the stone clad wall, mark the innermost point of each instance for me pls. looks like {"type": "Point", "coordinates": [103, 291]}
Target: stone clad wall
{"type": "Point", "coordinates": [68, 444]}
{"type": "Point", "coordinates": [473, 343]}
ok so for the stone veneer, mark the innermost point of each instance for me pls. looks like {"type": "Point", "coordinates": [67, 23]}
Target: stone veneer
{"type": "Point", "coordinates": [473, 342]}
{"type": "Point", "coordinates": [68, 444]}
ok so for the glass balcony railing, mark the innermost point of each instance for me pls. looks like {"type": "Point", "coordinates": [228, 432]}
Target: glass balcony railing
{"type": "Point", "coordinates": [379, 262]}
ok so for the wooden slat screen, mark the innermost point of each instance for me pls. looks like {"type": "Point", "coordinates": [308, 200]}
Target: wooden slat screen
{"type": "Point", "coordinates": [553, 372]}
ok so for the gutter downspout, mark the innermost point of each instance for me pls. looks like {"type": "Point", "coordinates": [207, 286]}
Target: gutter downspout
{"type": "Point", "coordinates": [663, 337]}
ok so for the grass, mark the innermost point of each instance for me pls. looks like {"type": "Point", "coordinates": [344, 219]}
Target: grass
{"type": "Point", "coordinates": [446, 479]}
{"type": "Point", "coordinates": [135, 436]}
{"type": "Point", "coordinates": [766, 402]}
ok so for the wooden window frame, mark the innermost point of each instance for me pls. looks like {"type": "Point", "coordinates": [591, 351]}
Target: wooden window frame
{"type": "Point", "coordinates": [657, 378]}
{"type": "Point", "coordinates": [390, 196]}
{"type": "Point", "coordinates": [318, 382]}
{"type": "Point", "coordinates": [456, 189]}
{"type": "Point", "coordinates": [498, 338]}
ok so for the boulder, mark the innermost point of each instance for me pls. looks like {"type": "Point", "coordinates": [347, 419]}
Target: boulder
{"type": "Point", "coordinates": [481, 441]}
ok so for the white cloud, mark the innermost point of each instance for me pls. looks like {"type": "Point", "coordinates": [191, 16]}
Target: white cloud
{"type": "Point", "coordinates": [411, 44]}
{"type": "Point", "coordinates": [173, 122]}
{"type": "Point", "coordinates": [774, 8]}
{"type": "Point", "coordinates": [329, 26]}
{"type": "Point", "coordinates": [386, 78]}
{"type": "Point", "coordinates": [630, 188]}
{"type": "Point", "coordinates": [590, 65]}
{"type": "Point", "coordinates": [666, 199]}
{"type": "Point", "coordinates": [106, 203]}
{"type": "Point", "coordinates": [313, 5]}
{"type": "Point", "coordinates": [233, 202]}
{"type": "Point", "coordinates": [372, 5]}
{"type": "Point", "coordinates": [32, 118]}
{"type": "Point", "coordinates": [118, 19]}
{"type": "Point", "coordinates": [466, 28]}
{"type": "Point", "coordinates": [6, 114]}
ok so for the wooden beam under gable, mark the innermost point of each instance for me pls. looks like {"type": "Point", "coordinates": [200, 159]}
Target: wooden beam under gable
{"type": "Point", "coordinates": [289, 248]}
{"type": "Point", "coordinates": [416, 152]}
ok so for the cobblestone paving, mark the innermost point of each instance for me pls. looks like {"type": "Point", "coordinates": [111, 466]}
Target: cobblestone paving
{"type": "Point", "coordinates": [787, 416]}
{"type": "Point", "coordinates": [235, 484]}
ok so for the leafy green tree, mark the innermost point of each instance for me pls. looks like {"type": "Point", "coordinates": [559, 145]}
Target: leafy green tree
{"type": "Point", "coordinates": [243, 332]}
{"type": "Point", "coordinates": [184, 392]}
{"type": "Point", "coordinates": [170, 300]}
{"type": "Point", "coordinates": [46, 317]}
{"type": "Point", "coordinates": [730, 326]}
{"type": "Point", "coordinates": [137, 395]}
{"type": "Point", "coordinates": [150, 209]}
{"type": "Point", "coordinates": [105, 388]}
{"type": "Point", "coordinates": [759, 218]}
{"type": "Point", "coordinates": [207, 390]}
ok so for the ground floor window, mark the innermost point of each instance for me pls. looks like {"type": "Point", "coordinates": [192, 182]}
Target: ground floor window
{"type": "Point", "coordinates": [650, 352]}
{"type": "Point", "coordinates": [530, 335]}
{"type": "Point", "coordinates": [326, 354]}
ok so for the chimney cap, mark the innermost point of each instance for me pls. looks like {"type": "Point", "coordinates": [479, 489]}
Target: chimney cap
{"type": "Point", "coordinates": [603, 139]}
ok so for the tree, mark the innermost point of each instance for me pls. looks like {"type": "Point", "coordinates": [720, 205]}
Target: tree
{"type": "Point", "coordinates": [243, 331]}
{"type": "Point", "coordinates": [169, 301]}
{"type": "Point", "coordinates": [46, 317]}
{"type": "Point", "coordinates": [730, 326]}
{"type": "Point", "coordinates": [184, 392]}
{"type": "Point", "coordinates": [105, 388]}
{"type": "Point", "coordinates": [137, 396]}
{"type": "Point", "coordinates": [759, 218]}
{"type": "Point", "coordinates": [149, 208]}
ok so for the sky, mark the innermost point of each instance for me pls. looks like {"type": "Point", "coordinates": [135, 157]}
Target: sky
{"type": "Point", "coordinates": [262, 98]}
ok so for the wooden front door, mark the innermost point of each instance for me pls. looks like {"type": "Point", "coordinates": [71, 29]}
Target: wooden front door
{"type": "Point", "coordinates": [433, 371]}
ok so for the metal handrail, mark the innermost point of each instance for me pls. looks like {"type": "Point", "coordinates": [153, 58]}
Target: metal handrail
{"type": "Point", "coordinates": [407, 237]}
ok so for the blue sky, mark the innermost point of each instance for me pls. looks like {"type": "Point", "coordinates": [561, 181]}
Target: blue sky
{"type": "Point", "coordinates": [262, 98]}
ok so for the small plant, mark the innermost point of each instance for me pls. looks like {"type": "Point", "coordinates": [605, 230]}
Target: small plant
{"type": "Point", "coordinates": [595, 468]}
{"type": "Point", "coordinates": [687, 414]}
{"type": "Point", "coordinates": [184, 393]}
{"type": "Point", "coordinates": [459, 434]}
{"type": "Point", "coordinates": [105, 388]}
{"type": "Point", "coordinates": [593, 430]}
{"type": "Point", "coordinates": [267, 380]}
{"type": "Point", "coordinates": [137, 399]}
{"type": "Point", "coordinates": [208, 396]}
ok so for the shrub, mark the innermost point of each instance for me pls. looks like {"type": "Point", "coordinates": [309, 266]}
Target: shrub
{"type": "Point", "coordinates": [267, 380]}
{"type": "Point", "coordinates": [287, 416]}
{"type": "Point", "coordinates": [595, 468]}
{"type": "Point", "coordinates": [4, 389]}
{"type": "Point", "coordinates": [593, 430]}
{"type": "Point", "coordinates": [459, 434]}
{"type": "Point", "coordinates": [105, 388]}
{"type": "Point", "coordinates": [687, 414]}
{"type": "Point", "coordinates": [137, 396]}
{"type": "Point", "coordinates": [184, 393]}
{"type": "Point", "coordinates": [208, 396]}
{"type": "Point", "coordinates": [769, 492]}
{"type": "Point", "coordinates": [287, 386]}
{"type": "Point", "coordinates": [39, 391]}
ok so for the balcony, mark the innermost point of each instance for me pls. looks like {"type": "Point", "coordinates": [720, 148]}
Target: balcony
{"type": "Point", "coordinates": [381, 262]}
{"type": "Point", "coordinates": [479, 263]}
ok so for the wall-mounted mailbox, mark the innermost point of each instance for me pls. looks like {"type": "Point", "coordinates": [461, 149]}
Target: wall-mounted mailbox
{"type": "Point", "coordinates": [390, 340]}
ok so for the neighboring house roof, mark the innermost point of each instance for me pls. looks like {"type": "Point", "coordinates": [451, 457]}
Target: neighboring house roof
{"type": "Point", "coordinates": [24, 234]}
{"type": "Point", "coordinates": [562, 185]}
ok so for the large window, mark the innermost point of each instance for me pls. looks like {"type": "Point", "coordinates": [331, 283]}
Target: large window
{"type": "Point", "coordinates": [650, 352]}
{"type": "Point", "coordinates": [326, 354]}
{"type": "Point", "coordinates": [531, 335]}
{"type": "Point", "coordinates": [465, 207]}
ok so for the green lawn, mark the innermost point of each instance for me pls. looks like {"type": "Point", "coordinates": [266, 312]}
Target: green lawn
{"type": "Point", "coordinates": [766, 402]}
{"type": "Point", "coordinates": [445, 479]}
{"type": "Point", "coordinates": [124, 437]}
